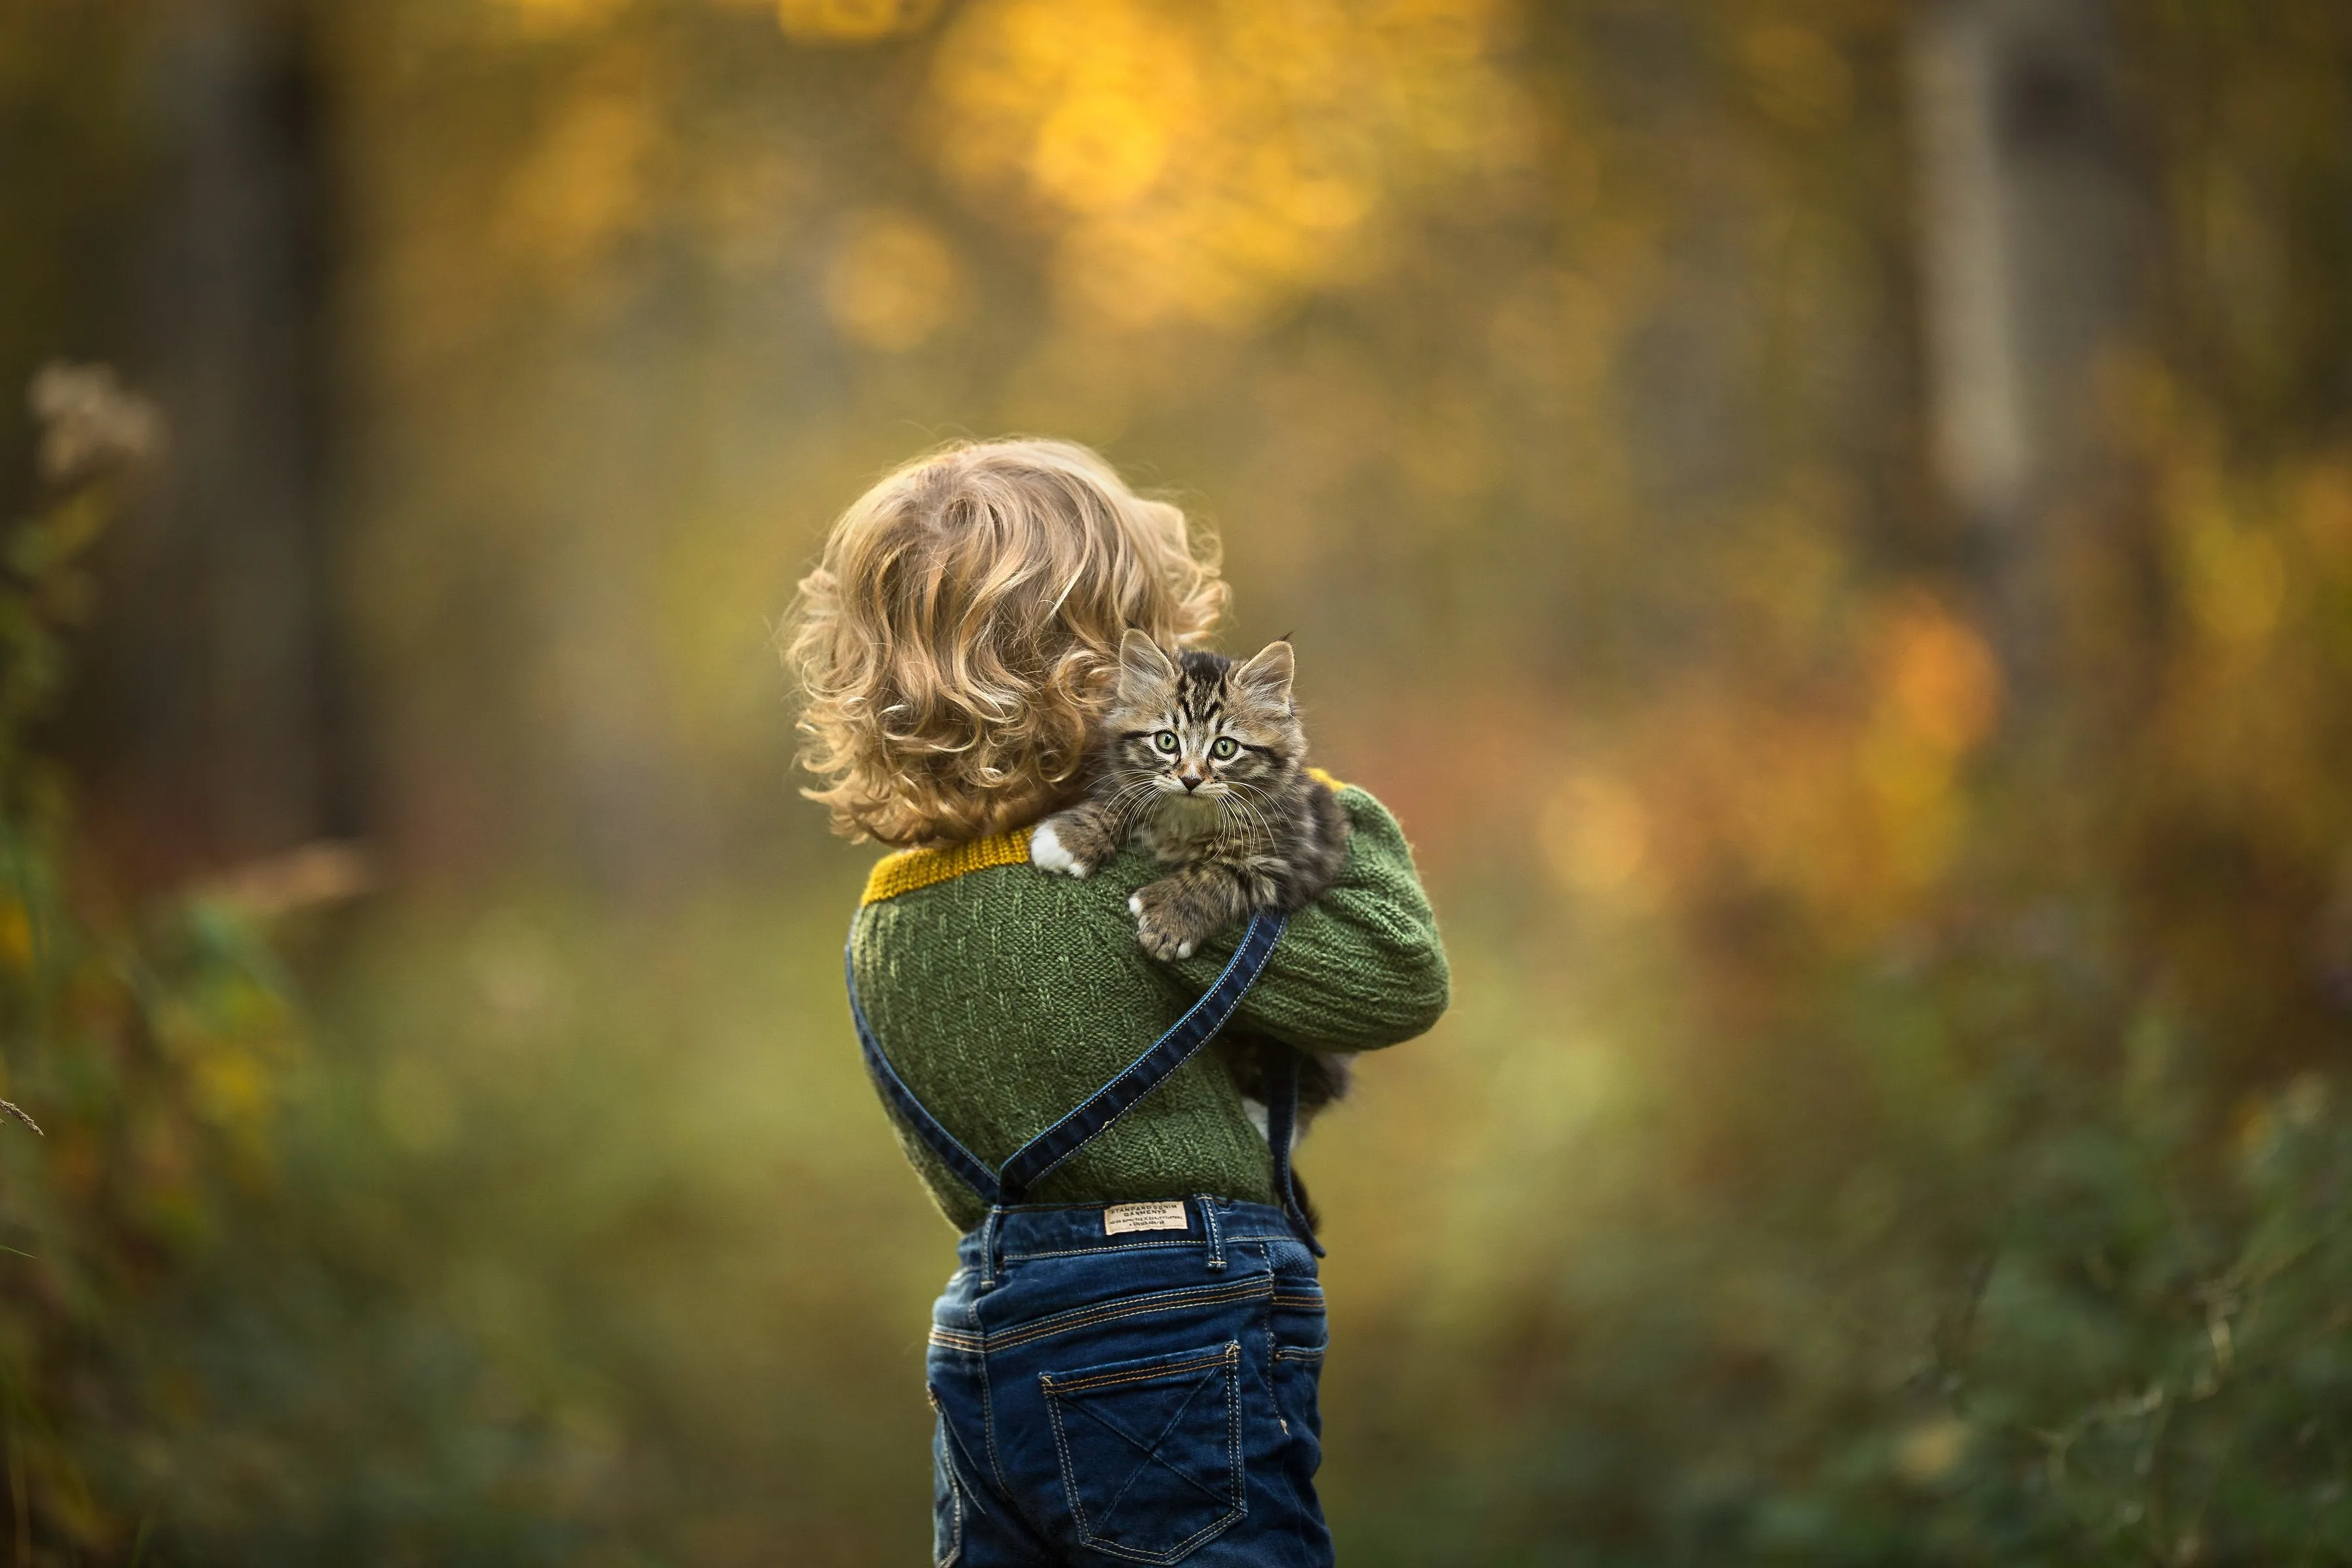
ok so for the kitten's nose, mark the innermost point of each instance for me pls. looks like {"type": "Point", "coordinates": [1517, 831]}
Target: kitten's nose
{"type": "Point", "coordinates": [1191, 781]}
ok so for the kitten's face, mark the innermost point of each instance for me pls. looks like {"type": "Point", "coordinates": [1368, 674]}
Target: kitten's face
{"type": "Point", "coordinates": [1200, 726]}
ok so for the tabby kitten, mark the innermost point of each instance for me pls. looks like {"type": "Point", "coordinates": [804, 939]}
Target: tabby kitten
{"type": "Point", "coordinates": [1202, 761]}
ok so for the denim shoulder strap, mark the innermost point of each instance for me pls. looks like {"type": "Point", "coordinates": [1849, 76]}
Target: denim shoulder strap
{"type": "Point", "coordinates": [966, 1165]}
{"type": "Point", "coordinates": [1034, 1160]}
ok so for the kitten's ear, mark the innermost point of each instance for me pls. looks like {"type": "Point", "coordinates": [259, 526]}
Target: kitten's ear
{"type": "Point", "coordinates": [1268, 672]}
{"type": "Point", "coordinates": [1142, 667]}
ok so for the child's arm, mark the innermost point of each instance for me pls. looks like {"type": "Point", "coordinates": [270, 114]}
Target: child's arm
{"type": "Point", "coordinates": [1361, 966]}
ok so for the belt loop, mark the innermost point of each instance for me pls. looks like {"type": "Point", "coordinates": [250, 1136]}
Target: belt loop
{"type": "Point", "coordinates": [1209, 1223]}
{"type": "Point", "coordinates": [988, 1247]}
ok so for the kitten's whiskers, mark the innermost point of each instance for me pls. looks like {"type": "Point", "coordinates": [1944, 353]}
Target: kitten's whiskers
{"type": "Point", "coordinates": [1254, 822]}
{"type": "Point", "coordinates": [1129, 798]}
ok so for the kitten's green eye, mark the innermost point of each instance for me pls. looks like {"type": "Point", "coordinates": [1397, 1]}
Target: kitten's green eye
{"type": "Point", "coordinates": [1223, 749]}
{"type": "Point", "coordinates": [1165, 739]}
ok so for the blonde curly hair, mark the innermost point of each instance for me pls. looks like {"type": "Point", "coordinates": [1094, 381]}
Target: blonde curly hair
{"type": "Point", "coordinates": [961, 632]}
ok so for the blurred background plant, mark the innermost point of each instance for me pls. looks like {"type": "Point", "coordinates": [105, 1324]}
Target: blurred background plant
{"type": "Point", "coordinates": [1831, 521]}
{"type": "Point", "coordinates": [151, 1039]}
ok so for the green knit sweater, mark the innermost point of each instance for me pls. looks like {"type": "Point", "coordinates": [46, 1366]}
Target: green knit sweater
{"type": "Point", "coordinates": [1005, 996]}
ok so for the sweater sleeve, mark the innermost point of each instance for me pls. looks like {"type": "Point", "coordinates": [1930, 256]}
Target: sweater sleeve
{"type": "Point", "coordinates": [1360, 968]}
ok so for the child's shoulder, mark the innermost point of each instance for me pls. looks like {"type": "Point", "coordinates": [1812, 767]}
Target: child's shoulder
{"type": "Point", "coordinates": [988, 884]}
{"type": "Point", "coordinates": [905, 871]}
{"type": "Point", "coordinates": [911, 870]}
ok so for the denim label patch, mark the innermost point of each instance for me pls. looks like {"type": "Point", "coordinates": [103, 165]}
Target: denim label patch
{"type": "Point", "coordinates": [1120, 1218]}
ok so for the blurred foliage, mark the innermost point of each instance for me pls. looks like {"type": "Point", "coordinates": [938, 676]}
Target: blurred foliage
{"type": "Point", "coordinates": [148, 1047]}
{"type": "Point", "coordinates": [1894, 1109]}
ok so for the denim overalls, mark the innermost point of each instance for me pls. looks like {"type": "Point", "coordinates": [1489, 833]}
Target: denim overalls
{"type": "Point", "coordinates": [1127, 1383]}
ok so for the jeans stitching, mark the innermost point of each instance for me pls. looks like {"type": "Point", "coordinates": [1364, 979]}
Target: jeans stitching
{"type": "Point", "coordinates": [959, 1454]}
{"type": "Point", "coordinates": [1112, 1311]}
{"type": "Point", "coordinates": [1273, 1305]}
{"type": "Point", "coordinates": [982, 1343]}
{"type": "Point", "coordinates": [1089, 1251]}
{"type": "Point", "coordinates": [1153, 1452]}
{"type": "Point", "coordinates": [955, 1504]}
{"type": "Point", "coordinates": [987, 1405]}
{"type": "Point", "coordinates": [1135, 1375]}
{"type": "Point", "coordinates": [1278, 1295]}
{"type": "Point", "coordinates": [1231, 1240]}
{"type": "Point", "coordinates": [1234, 1426]}
{"type": "Point", "coordinates": [1237, 1508]}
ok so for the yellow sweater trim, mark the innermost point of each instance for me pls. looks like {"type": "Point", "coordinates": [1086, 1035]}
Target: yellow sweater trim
{"type": "Point", "coordinates": [911, 868]}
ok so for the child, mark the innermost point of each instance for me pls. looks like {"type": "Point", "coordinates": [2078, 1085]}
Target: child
{"type": "Point", "coordinates": [1124, 1366]}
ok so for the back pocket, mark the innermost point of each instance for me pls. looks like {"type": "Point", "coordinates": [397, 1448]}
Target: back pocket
{"type": "Point", "coordinates": [1152, 1450]}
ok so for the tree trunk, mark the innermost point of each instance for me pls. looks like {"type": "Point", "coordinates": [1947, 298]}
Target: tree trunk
{"type": "Point", "coordinates": [2031, 219]}
{"type": "Point", "coordinates": [217, 676]}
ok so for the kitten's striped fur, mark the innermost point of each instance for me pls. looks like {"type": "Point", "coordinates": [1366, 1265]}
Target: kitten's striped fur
{"type": "Point", "coordinates": [1203, 762]}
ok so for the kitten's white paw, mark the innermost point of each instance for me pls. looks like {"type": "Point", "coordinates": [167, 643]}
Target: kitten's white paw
{"type": "Point", "coordinates": [1185, 950]}
{"type": "Point", "coordinates": [1045, 853]}
{"type": "Point", "coordinates": [1135, 904]}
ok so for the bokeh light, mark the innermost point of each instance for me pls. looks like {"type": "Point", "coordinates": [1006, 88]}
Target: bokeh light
{"type": "Point", "coordinates": [1829, 520]}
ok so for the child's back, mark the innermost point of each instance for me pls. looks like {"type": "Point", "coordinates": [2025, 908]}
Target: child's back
{"type": "Point", "coordinates": [1004, 998]}
{"type": "Point", "coordinates": [1124, 1366]}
